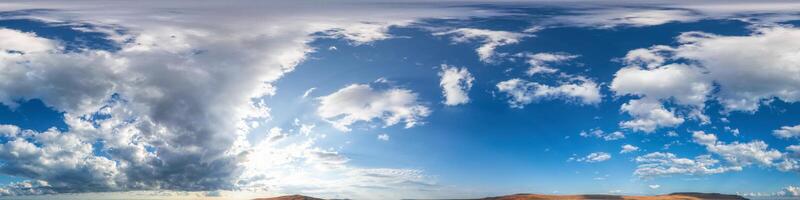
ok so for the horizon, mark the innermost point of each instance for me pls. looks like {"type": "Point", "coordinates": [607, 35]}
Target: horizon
{"type": "Point", "coordinates": [393, 99]}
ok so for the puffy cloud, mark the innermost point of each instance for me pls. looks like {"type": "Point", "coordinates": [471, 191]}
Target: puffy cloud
{"type": "Point", "coordinates": [654, 186]}
{"type": "Point", "coordinates": [363, 33]}
{"type": "Point", "coordinates": [787, 132]}
{"type": "Point", "coordinates": [522, 92]}
{"type": "Point", "coordinates": [491, 39]}
{"type": "Point", "coordinates": [540, 62]}
{"type": "Point", "coordinates": [383, 137]}
{"type": "Point", "coordinates": [739, 154]}
{"type": "Point", "coordinates": [360, 102]}
{"type": "Point", "coordinates": [748, 75]}
{"type": "Point", "coordinates": [55, 155]}
{"type": "Point", "coordinates": [177, 97]}
{"type": "Point", "coordinates": [648, 115]}
{"type": "Point", "coordinates": [594, 157]}
{"type": "Point", "coordinates": [721, 68]}
{"type": "Point", "coordinates": [26, 188]}
{"type": "Point", "coordinates": [627, 148]}
{"type": "Point", "coordinates": [687, 85]}
{"type": "Point", "coordinates": [667, 164]}
{"type": "Point", "coordinates": [456, 83]}
{"type": "Point", "coordinates": [790, 191]}
{"type": "Point", "coordinates": [712, 67]}
{"type": "Point", "coordinates": [616, 135]}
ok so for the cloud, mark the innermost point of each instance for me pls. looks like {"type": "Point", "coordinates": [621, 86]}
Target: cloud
{"type": "Point", "coordinates": [363, 33]}
{"type": "Point", "coordinates": [654, 186]}
{"type": "Point", "coordinates": [790, 191]}
{"type": "Point", "coordinates": [686, 85]}
{"type": "Point", "coordinates": [178, 96]}
{"type": "Point", "coordinates": [383, 137]}
{"type": "Point", "coordinates": [522, 92]}
{"type": "Point", "coordinates": [787, 132]}
{"type": "Point", "coordinates": [743, 77]}
{"type": "Point", "coordinates": [456, 83]}
{"type": "Point", "coordinates": [667, 164]}
{"type": "Point", "coordinates": [636, 17]}
{"type": "Point", "coordinates": [360, 102]}
{"type": "Point", "coordinates": [597, 133]}
{"type": "Point", "coordinates": [26, 188]}
{"type": "Point", "coordinates": [540, 62]}
{"type": "Point", "coordinates": [627, 148]}
{"type": "Point", "coordinates": [648, 116]}
{"type": "Point", "coordinates": [297, 164]}
{"type": "Point", "coordinates": [739, 154]}
{"type": "Point", "coordinates": [491, 39]}
{"type": "Point", "coordinates": [594, 157]}
{"type": "Point", "coordinates": [308, 92]}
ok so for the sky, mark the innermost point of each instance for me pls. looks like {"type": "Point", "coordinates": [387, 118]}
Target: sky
{"type": "Point", "coordinates": [391, 100]}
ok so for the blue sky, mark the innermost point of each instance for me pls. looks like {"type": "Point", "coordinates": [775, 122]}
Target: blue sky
{"type": "Point", "coordinates": [398, 100]}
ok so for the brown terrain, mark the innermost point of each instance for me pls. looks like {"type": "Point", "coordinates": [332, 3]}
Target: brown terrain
{"type": "Point", "coordinates": [290, 197]}
{"type": "Point", "coordinates": [673, 196]}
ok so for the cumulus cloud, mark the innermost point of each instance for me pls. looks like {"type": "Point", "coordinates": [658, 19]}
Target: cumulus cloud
{"type": "Point", "coordinates": [178, 96]}
{"type": "Point", "coordinates": [491, 39]}
{"type": "Point", "coordinates": [712, 67]}
{"type": "Point", "coordinates": [787, 132]}
{"type": "Point", "coordinates": [383, 137]}
{"type": "Point", "coordinates": [540, 62]}
{"type": "Point", "coordinates": [739, 154]}
{"type": "Point", "coordinates": [598, 133]}
{"type": "Point", "coordinates": [654, 186]}
{"type": "Point", "coordinates": [521, 92]}
{"type": "Point", "coordinates": [648, 115]}
{"type": "Point", "coordinates": [790, 191]}
{"type": "Point", "coordinates": [360, 102]}
{"type": "Point", "coordinates": [686, 85]}
{"type": "Point", "coordinates": [456, 83]}
{"type": "Point", "coordinates": [594, 157]}
{"type": "Point", "coordinates": [720, 68]}
{"type": "Point", "coordinates": [667, 164]}
{"type": "Point", "coordinates": [627, 148]}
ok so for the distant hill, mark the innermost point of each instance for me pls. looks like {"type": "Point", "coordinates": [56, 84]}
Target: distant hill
{"type": "Point", "coordinates": [673, 196]}
{"type": "Point", "coordinates": [290, 197]}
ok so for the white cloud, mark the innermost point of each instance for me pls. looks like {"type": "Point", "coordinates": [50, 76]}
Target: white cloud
{"type": "Point", "coordinates": [627, 148]}
{"type": "Point", "coordinates": [286, 167]}
{"type": "Point", "coordinates": [667, 164]}
{"type": "Point", "coordinates": [739, 154]}
{"type": "Point", "coordinates": [456, 83]}
{"type": "Point", "coordinates": [540, 62]}
{"type": "Point", "coordinates": [654, 186]}
{"type": "Point", "coordinates": [189, 85]}
{"type": "Point", "coordinates": [308, 92]}
{"type": "Point", "coordinates": [360, 102]}
{"type": "Point", "coordinates": [616, 135]}
{"type": "Point", "coordinates": [491, 39]}
{"type": "Point", "coordinates": [637, 17]}
{"type": "Point", "coordinates": [787, 132]}
{"type": "Point", "coordinates": [594, 157]}
{"type": "Point", "coordinates": [383, 137]}
{"type": "Point", "coordinates": [687, 85]}
{"type": "Point", "coordinates": [363, 33]}
{"type": "Point", "coordinates": [522, 92]}
{"type": "Point", "coordinates": [743, 75]}
{"type": "Point", "coordinates": [648, 115]}
{"type": "Point", "coordinates": [790, 191]}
